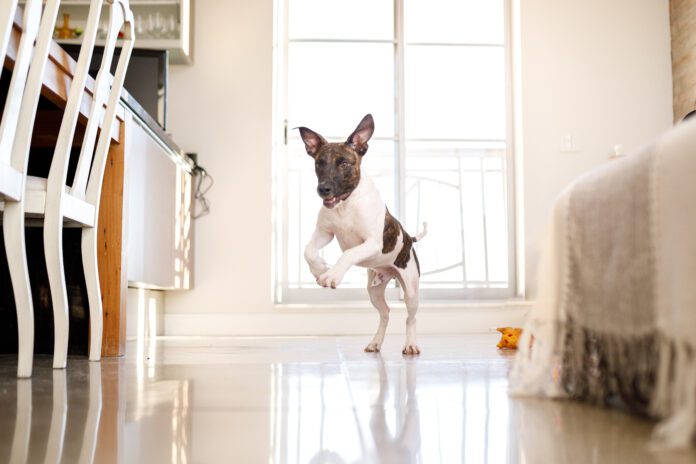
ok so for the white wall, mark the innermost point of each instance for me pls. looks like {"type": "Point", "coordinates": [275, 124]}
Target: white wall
{"type": "Point", "coordinates": [598, 70]}
{"type": "Point", "coordinates": [221, 108]}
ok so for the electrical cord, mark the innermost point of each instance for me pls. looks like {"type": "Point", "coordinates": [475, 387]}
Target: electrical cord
{"type": "Point", "coordinates": [200, 174]}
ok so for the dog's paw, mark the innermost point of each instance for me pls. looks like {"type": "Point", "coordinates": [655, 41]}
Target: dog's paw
{"type": "Point", "coordinates": [330, 279]}
{"type": "Point", "coordinates": [411, 350]}
{"type": "Point", "coordinates": [372, 348]}
{"type": "Point", "coordinates": [317, 271]}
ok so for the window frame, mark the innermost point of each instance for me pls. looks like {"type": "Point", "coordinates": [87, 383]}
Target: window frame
{"type": "Point", "coordinates": [281, 136]}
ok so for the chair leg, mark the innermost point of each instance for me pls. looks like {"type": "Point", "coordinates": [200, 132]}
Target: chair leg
{"type": "Point", "coordinates": [15, 248]}
{"type": "Point", "coordinates": [53, 249]}
{"type": "Point", "coordinates": [91, 270]}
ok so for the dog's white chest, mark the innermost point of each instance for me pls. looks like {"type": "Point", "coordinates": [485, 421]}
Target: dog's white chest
{"type": "Point", "coordinates": [358, 218]}
{"type": "Point", "coordinates": [349, 228]}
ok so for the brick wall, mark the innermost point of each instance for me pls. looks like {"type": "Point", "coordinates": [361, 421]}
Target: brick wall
{"type": "Point", "coordinates": [683, 24]}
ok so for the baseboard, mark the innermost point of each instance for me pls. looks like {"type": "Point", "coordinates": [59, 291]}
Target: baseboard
{"type": "Point", "coordinates": [293, 321]}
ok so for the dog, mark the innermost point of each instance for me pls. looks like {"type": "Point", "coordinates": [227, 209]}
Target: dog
{"type": "Point", "coordinates": [369, 236]}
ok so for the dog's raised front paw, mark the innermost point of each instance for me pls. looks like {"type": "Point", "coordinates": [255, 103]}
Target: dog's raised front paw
{"type": "Point", "coordinates": [411, 350]}
{"type": "Point", "coordinates": [330, 279]}
{"type": "Point", "coordinates": [317, 271]}
{"type": "Point", "coordinates": [372, 348]}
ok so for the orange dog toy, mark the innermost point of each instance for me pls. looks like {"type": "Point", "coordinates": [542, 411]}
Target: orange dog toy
{"type": "Point", "coordinates": [509, 338]}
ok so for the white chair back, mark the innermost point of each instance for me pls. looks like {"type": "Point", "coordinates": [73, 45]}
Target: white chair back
{"type": "Point", "coordinates": [11, 186]}
{"type": "Point", "coordinates": [107, 92]}
{"type": "Point", "coordinates": [7, 15]}
{"type": "Point", "coordinates": [122, 17]}
{"type": "Point", "coordinates": [32, 90]}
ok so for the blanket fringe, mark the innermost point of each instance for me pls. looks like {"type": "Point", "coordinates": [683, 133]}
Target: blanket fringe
{"type": "Point", "coordinates": [651, 375]}
{"type": "Point", "coordinates": [674, 399]}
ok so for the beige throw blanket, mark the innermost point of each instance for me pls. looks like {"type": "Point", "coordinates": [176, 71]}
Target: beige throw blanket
{"type": "Point", "coordinates": [615, 320]}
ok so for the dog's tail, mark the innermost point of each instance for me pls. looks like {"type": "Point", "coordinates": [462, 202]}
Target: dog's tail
{"type": "Point", "coordinates": [422, 234]}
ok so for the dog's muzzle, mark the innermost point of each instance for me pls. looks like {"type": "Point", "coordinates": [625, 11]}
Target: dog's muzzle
{"type": "Point", "coordinates": [333, 201]}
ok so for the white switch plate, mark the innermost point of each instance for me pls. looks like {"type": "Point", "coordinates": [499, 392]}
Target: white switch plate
{"type": "Point", "coordinates": [619, 151]}
{"type": "Point", "coordinates": [569, 143]}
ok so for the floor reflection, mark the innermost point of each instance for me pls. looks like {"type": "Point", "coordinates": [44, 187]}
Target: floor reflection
{"type": "Point", "coordinates": [318, 400]}
{"type": "Point", "coordinates": [91, 413]}
{"type": "Point", "coordinates": [402, 444]}
{"type": "Point", "coordinates": [566, 431]}
{"type": "Point", "coordinates": [390, 412]}
{"type": "Point", "coordinates": [54, 416]}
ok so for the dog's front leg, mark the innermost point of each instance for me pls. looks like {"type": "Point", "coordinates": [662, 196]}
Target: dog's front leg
{"type": "Point", "coordinates": [317, 265]}
{"type": "Point", "coordinates": [368, 249]}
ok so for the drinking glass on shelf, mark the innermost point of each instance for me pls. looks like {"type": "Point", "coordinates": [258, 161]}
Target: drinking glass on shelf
{"type": "Point", "coordinates": [152, 26]}
{"type": "Point", "coordinates": [159, 26]}
{"type": "Point", "coordinates": [139, 28]}
{"type": "Point", "coordinates": [164, 30]}
{"type": "Point", "coordinates": [173, 27]}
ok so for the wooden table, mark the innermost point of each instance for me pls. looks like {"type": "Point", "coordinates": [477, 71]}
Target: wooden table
{"type": "Point", "coordinates": [112, 264]}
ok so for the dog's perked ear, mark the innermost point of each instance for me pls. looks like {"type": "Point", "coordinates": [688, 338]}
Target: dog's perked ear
{"type": "Point", "coordinates": [358, 139]}
{"type": "Point", "coordinates": [312, 141]}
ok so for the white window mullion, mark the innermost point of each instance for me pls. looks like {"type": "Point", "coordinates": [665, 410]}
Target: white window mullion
{"type": "Point", "coordinates": [462, 212]}
{"type": "Point", "coordinates": [286, 136]}
{"type": "Point", "coordinates": [482, 165]}
{"type": "Point", "coordinates": [509, 169]}
{"type": "Point", "coordinates": [280, 109]}
{"type": "Point", "coordinates": [399, 107]}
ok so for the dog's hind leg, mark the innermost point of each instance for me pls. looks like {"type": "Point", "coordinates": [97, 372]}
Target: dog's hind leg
{"type": "Point", "coordinates": [410, 279]}
{"type": "Point", "coordinates": [376, 287]}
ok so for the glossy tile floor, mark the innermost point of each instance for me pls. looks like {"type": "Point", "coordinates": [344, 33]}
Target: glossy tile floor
{"type": "Point", "coordinates": [303, 400]}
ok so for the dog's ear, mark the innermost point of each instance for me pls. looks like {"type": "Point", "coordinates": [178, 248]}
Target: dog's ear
{"type": "Point", "coordinates": [312, 141]}
{"type": "Point", "coordinates": [358, 139]}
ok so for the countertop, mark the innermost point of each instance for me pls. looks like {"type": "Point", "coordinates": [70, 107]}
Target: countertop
{"type": "Point", "coordinates": [156, 130]}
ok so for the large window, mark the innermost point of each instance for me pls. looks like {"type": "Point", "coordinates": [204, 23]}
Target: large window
{"type": "Point", "coordinates": [435, 76]}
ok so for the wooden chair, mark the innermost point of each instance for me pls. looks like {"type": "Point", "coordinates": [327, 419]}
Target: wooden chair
{"type": "Point", "coordinates": [13, 162]}
{"type": "Point", "coordinates": [78, 205]}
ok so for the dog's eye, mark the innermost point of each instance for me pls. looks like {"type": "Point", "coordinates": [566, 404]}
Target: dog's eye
{"type": "Point", "coordinates": [344, 164]}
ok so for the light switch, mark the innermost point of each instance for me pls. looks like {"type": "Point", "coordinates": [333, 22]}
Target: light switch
{"type": "Point", "coordinates": [568, 143]}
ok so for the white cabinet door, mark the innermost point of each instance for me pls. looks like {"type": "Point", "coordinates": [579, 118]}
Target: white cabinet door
{"type": "Point", "coordinates": [159, 241]}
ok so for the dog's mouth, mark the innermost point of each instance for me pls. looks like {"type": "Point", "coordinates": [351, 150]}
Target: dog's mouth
{"type": "Point", "coordinates": [333, 201]}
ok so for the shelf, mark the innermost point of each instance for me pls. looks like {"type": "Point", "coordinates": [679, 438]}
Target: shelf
{"type": "Point", "coordinates": [132, 2]}
{"type": "Point", "coordinates": [154, 2]}
{"type": "Point", "coordinates": [179, 48]}
{"type": "Point", "coordinates": [149, 44]}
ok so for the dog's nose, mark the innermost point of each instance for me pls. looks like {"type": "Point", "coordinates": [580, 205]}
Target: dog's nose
{"type": "Point", "coordinates": [324, 190]}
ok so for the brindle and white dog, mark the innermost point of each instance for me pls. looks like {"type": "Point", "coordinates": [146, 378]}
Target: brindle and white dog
{"type": "Point", "coordinates": [369, 236]}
